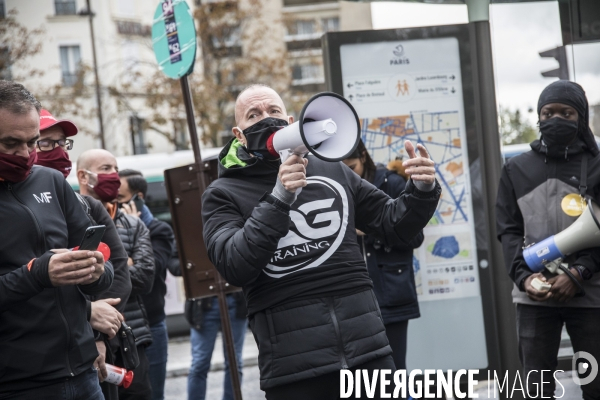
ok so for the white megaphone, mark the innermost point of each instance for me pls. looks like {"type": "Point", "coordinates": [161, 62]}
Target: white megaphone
{"type": "Point", "coordinates": [328, 127]}
{"type": "Point", "coordinates": [584, 233]}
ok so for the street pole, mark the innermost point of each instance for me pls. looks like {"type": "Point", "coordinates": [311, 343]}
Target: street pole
{"type": "Point", "coordinates": [487, 126]}
{"type": "Point", "coordinates": [221, 284]}
{"type": "Point", "coordinates": [98, 94]}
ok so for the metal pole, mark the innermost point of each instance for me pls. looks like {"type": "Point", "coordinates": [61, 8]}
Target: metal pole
{"type": "Point", "coordinates": [228, 337]}
{"type": "Point", "coordinates": [98, 94]}
{"type": "Point", "coordinates": [221, 285]}
{"type": "Point", "coordinates": [487, 125]}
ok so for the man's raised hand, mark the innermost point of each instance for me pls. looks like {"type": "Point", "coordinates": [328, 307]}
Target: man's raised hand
{"type": "Point", "coordinates": [421, 167]}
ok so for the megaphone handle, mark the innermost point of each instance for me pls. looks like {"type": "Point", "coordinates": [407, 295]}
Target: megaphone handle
{"type": "Point", "coordinates": [284, 155]}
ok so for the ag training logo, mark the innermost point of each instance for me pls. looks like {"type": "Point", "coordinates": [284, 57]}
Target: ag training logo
{"type": "Point", "coordinates": [317, 230]}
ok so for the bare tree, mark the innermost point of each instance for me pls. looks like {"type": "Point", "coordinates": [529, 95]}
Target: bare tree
{"type": "Point", "coordinates": [17, 45]}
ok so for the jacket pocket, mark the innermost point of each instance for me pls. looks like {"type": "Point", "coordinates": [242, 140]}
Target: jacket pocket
{"type": "Point", "coordinates": [398, 285]}
{"type": "Point", "coordinates": [272, 335]}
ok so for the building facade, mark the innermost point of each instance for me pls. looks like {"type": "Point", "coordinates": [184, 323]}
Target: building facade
{"type": "Point", "coordinates": [126, 64]}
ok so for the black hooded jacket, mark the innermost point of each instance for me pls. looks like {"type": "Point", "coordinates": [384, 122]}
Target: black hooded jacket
{"type": "Point", "coordinates": [310, 301]}
{"type": "Point", "coordinates": [535, 192]}
{"type": "Point", "coordinates": [277, 255]}
{"type": "Point", "coordinates": [44, 333]}
{"type": "Point", "coordinates": [391, 267]}
{"type": "Point", "coordinates": [136, 241]}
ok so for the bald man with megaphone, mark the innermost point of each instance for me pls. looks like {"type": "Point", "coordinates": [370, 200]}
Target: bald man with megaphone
{"type": "Point", "coordinates": [310, 300]}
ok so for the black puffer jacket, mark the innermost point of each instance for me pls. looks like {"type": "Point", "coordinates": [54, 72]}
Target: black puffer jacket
{"type": "Point", "coordinates": [44, 333]}
{"type": "Point", "coordinates": [121, 287]}
{"type": "Point", "coordinates": [136, 240]}
{"type": "Point", "coordinates": [310, 300]}
{"type": "Point", "coordinates": [163, 243]}
{"type": "Point", "coordinates": [391, 267]}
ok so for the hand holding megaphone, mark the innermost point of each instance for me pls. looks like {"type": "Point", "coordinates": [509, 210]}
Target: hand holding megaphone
{"type": "Point", "coordinates": [419, 168]}
{"type": "Point", "coordinates": [584, 233]}
{"type": "Point", "coordinates": [292, 173]}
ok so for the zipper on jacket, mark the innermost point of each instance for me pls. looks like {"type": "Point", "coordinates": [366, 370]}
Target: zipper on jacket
{"type": "Point", "coordinates": [64, 319]}
{"type": "Point", "coordinates": [41, 236]}
{"type": "Point", "coordinates": [337, 333]}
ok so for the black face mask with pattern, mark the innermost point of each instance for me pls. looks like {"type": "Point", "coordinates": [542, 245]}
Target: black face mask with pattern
{"type": "Point", "coordinates": [558, 132]}
{"type": "Point", "coordinates": [258, 134]}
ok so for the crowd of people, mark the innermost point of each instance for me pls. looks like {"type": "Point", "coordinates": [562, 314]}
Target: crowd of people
{"type": "Point", "coordinates": [318, 297]}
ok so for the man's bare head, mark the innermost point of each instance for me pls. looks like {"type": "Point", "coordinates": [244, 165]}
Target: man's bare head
{"type": "Point", "coordinates": [256, 103]}
{"type": "Point", "coordinates": [96, 161]}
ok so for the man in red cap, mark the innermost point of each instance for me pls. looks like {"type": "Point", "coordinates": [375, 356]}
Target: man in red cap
{"type": "Point", "coordinates": [105, 314]}
{"type": "Point", "coordinates": [53, 142]}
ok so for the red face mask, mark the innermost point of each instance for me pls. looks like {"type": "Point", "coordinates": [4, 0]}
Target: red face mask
{"type": "Point", "coordinates": [16, 168]}
{"type": "Point", "coordinates": [107, 187]}
{"type": "Point", "coordinates": [57, 159]}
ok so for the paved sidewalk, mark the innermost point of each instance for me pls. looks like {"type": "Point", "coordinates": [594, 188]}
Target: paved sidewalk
{"type": "Point", "coordinates": [180, 356]}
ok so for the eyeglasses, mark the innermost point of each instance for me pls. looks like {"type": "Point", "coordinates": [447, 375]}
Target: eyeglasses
{"type": "Point", "coordinates": [49, 144]}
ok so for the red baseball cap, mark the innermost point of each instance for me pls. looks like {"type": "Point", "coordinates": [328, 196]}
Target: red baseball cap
{"type": "Point", "coordinates": [48, 121]}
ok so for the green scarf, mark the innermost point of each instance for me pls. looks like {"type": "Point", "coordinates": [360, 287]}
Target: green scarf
{"type": "Point", "coordinates": [231, 159]}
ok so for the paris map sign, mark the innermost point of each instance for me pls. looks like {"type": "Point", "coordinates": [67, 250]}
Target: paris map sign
{"type": "Point", "coordinates": [411, 84]}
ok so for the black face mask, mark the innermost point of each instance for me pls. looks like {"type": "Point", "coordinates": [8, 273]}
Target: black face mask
{"type": "Point", "coordinates": [258, 134]}
{"type": "Point", "coordinates": [558, 132]}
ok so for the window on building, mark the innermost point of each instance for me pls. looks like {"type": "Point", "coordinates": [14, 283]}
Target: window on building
{"type": "Point", "coordinates": [70, 63]}
{"type": "Point", "coordinates": [302, 27]}
{"type": "Point", "coordinates": [138, 136]}
{"type": "Point", "coordinates": [180, 134]}
{"type": "Point", "coordinates": [308, 73]}
{"type": "Point", "coordinates": [330, 24]}
{"type": "Point", "coordinates": [65, 7]}
{"type": "Point", "coordinates": [2, 9]}
{"type": "Point", "coordinates": [229, 36]}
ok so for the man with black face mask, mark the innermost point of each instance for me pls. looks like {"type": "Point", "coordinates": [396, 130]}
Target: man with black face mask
{"type": "Point", "coordinates": [310, 301]}
{"type": "Point", "coordinates": [541, 193]}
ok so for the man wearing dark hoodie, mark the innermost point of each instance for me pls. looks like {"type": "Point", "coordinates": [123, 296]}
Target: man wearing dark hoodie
{"type": "Point", "coordinates": [310, 301]}
{"type": "Point", "coordinates": [541, 193]}
{"type": "Point", "coordinates": [104, 312]}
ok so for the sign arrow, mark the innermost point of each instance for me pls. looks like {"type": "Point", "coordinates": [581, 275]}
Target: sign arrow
{"type": "Point", "coordinates": [350, 85]}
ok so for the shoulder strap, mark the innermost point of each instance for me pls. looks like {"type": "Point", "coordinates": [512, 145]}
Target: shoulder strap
{"type": "Point", "coordinates": [583, 178]}
{"type": "Point", "coordinates": [86, 207]}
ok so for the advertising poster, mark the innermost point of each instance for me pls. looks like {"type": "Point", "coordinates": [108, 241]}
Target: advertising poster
{"type": "Point", "coordinates": [415, 93]}
{"type": "Point", "coordinates": [412, 89]}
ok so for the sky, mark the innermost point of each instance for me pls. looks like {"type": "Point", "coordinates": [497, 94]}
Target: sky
{"type": "Point", "coordinates": [519, 33]}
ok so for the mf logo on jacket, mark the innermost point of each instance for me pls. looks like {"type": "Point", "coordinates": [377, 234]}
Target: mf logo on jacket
{"type": "Point", "coordinates": [45, 197]}
{"type": "Point", "coordinates": [319, 223]}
